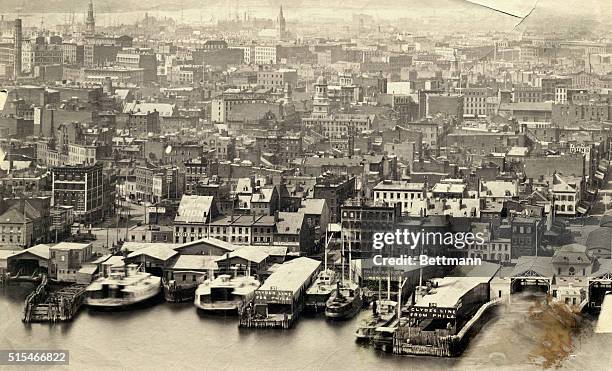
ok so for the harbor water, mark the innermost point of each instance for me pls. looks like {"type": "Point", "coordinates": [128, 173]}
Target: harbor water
{"type": "Point", "coordinates": [163, 336]}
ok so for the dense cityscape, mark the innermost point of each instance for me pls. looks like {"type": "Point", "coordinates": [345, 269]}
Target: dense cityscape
{"type": "Point", "coordinates": [365, 186]}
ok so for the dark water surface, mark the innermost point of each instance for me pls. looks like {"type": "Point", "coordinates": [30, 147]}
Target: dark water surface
{"type": "Point", "coordinates": [165, 336]}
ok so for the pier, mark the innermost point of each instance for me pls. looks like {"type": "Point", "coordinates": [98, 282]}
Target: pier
{"type": "Point", "coordinates": [46, 305]}
{"type": "Point", "coordinates": [280, 300]}
{"type": "Point", "coordinates": [439, 342]}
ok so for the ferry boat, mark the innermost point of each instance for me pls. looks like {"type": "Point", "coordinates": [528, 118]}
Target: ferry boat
{"type": "Point", "coordinates": [384, 312]}
{"type": "Point", "coordinates": [320, 291]}
{"type": "Point", "coordinates": [226, 293]}
{"type": "Point", "coordinates": [122, 288]}
{"type": "Point", "coordinates": [345, 302]}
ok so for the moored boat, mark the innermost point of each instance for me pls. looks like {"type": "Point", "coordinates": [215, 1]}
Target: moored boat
{"type": "Point", "coordinates": [320, 291]}
{"type": "Point", "coordinates": [122, 288]}
{"type": "Point", "coordinates": [181, 291]}
{"type": "Point", "coordinates": [383, 313]}
{"type": "Point", "coordinates": [226, 293]}
{"type": "Point", "coordinates": [345, 302]}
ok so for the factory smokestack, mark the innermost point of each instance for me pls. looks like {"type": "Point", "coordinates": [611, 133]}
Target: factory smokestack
{"type": "Point", "coordinates": [17, 49]}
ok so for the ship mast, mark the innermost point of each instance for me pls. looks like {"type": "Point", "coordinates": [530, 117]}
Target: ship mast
{"type": "Point", "coordinates": [342, 252]}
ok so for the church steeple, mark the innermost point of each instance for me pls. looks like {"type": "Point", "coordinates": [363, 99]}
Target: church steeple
{"type": "Point", "coordinates": [90, 23]}
{"type": "Point", "coordinates": [282, 26]}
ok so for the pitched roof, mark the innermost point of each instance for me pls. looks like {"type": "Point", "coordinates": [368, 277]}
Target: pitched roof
{"type": "Point", "coordinates": [312, 206]}
{"type": "Point", "coordinates": [162, 251]}
{"type": "Point", "coordinates": [541, 265]}
{"type": "Point", "coordinates": [224, 245]}
{"type": "Point", "coordinates": [250, 253]}
{"type": "Point", "coordinates": [194, 209]}
{"type": "Point", "coordinates": [571, 254]}
{"type": "Point", "coordinates": [40, 250]}
{"type": "Point", "coordinates": [264, 195]}
{"type": "Point", "coordinates": [195, 262]}
{"type": "Point", "coordinates": [289, 223]}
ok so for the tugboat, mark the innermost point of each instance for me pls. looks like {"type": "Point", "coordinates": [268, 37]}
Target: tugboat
{"type": "Point", "coordinates": [345, 302]}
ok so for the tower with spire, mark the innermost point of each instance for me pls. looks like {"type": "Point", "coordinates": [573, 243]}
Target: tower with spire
{"type": "Point", "coordinates": [90, 23]}
{"type": "Point", "coordinates": [282, 25]}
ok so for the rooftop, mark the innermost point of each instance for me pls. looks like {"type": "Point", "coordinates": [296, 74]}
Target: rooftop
{"type": "Point", "coordinates": [399, 186]}
{"type": "Point", "coordinates": [292, 275]}
{"type": "Point", "coordinates": [194, 209]}
{"type": "Point", "coordinates": [449, 291]}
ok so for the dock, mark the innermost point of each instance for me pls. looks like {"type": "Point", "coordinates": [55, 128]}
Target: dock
{"type": "Point", "coordinates": [280, 300]}
{"type": "Point", "coordinates": [47, 305]}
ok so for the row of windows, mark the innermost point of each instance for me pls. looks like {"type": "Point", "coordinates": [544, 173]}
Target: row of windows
{"type": "Point", "coordinates": [234, 229]}
{"type": "Point", "coordinates": [564, 208]}
{"type": "Point", "coordinates": [397, 195]}
{"type": "Point", "coordinates": [504, 257]}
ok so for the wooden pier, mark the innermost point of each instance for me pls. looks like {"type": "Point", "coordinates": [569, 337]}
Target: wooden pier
{"type": "Point", "coordinates": [440, 342]}
{"type": "Point", "coordinates": [280, 300]}
{"type": "Point", "coordinates": [46, 305]}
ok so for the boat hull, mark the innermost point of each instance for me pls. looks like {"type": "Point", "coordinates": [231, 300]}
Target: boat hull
{"type": "Point", "coordinates": [316, 302]}
{"type": "Point", "coordinates": [346, 311]}
{"type": "Point", "coordinates": [179, 294]}
{"type": "Point", "coordinates": [117, 303]}
{"type": "Point", "coordinates": [220, 307]}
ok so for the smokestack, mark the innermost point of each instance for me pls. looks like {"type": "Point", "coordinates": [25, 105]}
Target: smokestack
{"type": "Point", "coordinates": [17, 49]}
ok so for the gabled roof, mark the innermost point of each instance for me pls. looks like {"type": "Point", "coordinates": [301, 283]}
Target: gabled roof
{"type": "Point", "coordinates": [539, 266]}
{"type": "Point", "coordinates": [224, 245]}
{"type": "Point", "coordinates": [42, 251]}
{"type": "Point", "coordinates": [251, 253]}
{"type": "Point", "coordinates": [158, 251]}
{"type": "Point", "coordinates": [195, 262]}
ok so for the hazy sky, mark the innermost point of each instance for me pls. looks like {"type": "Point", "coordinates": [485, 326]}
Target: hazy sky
{"type": "Point", "coordinates": [303, 10]}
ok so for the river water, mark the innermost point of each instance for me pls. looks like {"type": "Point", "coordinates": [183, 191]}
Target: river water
{"type": "Point", "coordinates": [163, 336]}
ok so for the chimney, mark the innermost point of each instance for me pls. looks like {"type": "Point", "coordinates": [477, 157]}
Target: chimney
{"type": "Point", "coordinates": [276, 216]}
{"type": "Point", "coordinates": [17, 49]}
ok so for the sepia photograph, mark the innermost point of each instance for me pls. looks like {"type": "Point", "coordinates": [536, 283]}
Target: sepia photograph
{"type": "Point", "coordinates": [347, 185]}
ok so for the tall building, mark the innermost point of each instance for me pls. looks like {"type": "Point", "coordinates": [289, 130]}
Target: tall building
{"type": "Point", "coordinates": [320, 104]}
{"type": "Point", "coordinates": [83, 187]}
{"type": "Point", "coordinates": [282, 26]}
{"type": "Point", "coordinates": [90, 23]}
